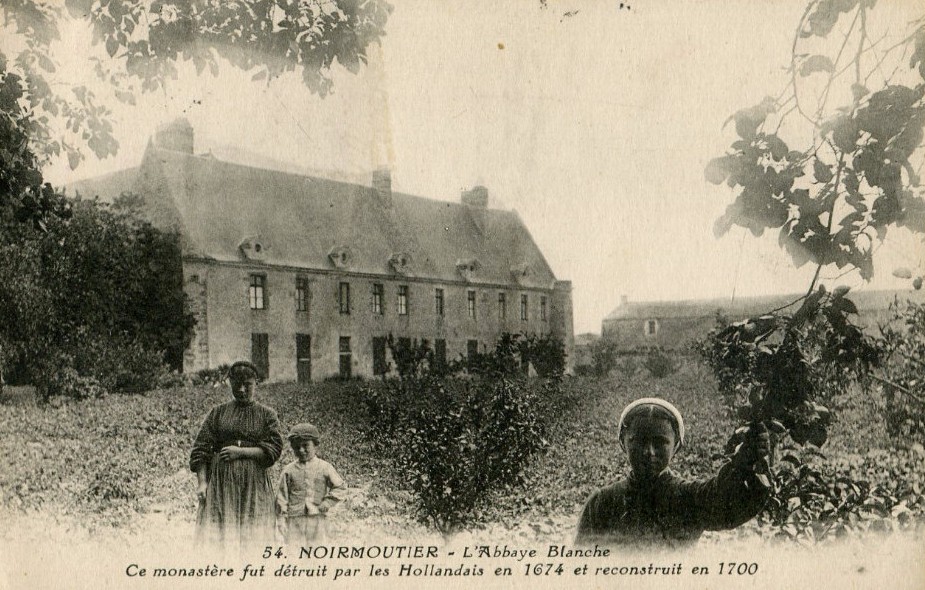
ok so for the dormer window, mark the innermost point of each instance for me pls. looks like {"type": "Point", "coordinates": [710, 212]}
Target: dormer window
{"type": "Point", "coordinates": [340, 256]}
{"type": "Point", "coordinates": [467, 267]}
{"type": "Point", "coordinates": [521, 272]}
{"type": "Point", "coordinates": [253, 248]}
{"type": "Point", "coordinates": [400, 262]}
{"type": "Point", "coordinates": [651, 327]}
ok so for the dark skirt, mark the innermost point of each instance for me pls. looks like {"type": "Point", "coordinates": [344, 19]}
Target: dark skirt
{"type": "Point", "coordinates": [238, 511]}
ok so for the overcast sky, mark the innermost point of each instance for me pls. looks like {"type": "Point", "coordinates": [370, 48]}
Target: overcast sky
{"type": "Point", "coordinates": [595, 127]}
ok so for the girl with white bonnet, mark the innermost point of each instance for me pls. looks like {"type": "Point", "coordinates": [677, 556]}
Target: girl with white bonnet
{"type": "Point", "coordinates": [652, 505]}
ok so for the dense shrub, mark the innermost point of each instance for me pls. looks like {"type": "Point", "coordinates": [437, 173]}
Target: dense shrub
{"type": "Point", "coordinates": [512, 355]}
{"type": "Point", "coordinates": [64, 380]}
{"type": "Point", "coordinates": [790, 373]}
{"type": "Point", "coordinates": [604, 357]}
{"type": "Point", "coordinates": [99, 291]}
{"type": "Point", "coordinates": [412, 356]}
{"type": "Point", "coordinates": [506, 359]}
{"type": "Point", "coordinates": [658, 364]}
{"type": "Point", "coordinates": [85, 365]}
{"type": "Point", "coordinates": [627, 366]}
{"type": "Point", "coordinates": [461, 439]}
{"type": "Point", "coordinates": [546, 353]}
{"type": "Point", "coordinates": [903, 342]}
{"type": "Point", "coordinates": [210, 376]}
{"type": "Point", "coordinates": [816, 499]}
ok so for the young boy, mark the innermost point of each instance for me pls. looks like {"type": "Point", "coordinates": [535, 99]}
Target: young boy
{"type": "Point", "coordinates": [308, 488]}
{"type": "Point", "coordinates": [653, 506]}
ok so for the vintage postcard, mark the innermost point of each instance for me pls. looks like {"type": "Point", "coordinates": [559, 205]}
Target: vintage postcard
{"type": "Point", "coordinates": [415, 293]}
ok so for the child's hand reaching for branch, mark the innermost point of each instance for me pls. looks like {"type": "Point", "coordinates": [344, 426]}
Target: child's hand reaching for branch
{"type": "Point", "coordinates": [754, 452]}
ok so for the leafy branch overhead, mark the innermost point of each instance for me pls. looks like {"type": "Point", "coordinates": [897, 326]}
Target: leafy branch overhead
{"type": "Point", "coordinates": [831, 181]}
{"type": "Point", "coordinates": [145, 40]}
{"type": "Point", "coordinates": [832, 201]}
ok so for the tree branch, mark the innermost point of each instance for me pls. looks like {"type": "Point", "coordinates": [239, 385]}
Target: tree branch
{"type": "Point", "coordinates": [857, 57]}
{"type": "Point", "coordinates": [793, 62]}
{"type": "Point", "coordinates": [791, 304]}
{"type": "Point", "coordinates": [841, 50]}
{"type": "Point", "coordinates": [812, 284]}
{"type": "Point", "coordinates": [898, 387]}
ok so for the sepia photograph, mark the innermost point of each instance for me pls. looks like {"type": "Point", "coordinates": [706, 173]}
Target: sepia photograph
{"type": "Point", "coordinates": [420, 293]}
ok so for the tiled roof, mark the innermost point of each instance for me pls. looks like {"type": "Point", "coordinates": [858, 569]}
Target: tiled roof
{"type": "Point", "coordinates": [299, 219]}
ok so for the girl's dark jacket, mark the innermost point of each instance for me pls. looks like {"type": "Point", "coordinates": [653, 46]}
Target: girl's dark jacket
{"type": "Point", "coordinates": [668, 510]}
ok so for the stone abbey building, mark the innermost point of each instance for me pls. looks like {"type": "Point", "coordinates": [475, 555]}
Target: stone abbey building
{"type": "Point", "coordinates": [308, 276]}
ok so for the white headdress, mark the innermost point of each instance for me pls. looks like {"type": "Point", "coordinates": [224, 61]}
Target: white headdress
{"type": "Point", "coordinates": [653, 401]}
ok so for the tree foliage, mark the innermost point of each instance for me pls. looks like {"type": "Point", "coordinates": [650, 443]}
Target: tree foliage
{"type": "Point", "coordinates": [832, 202]}
{"type": "Point", "coordinates": [778, 368]}
{"type": "Point", "coordinates": [145, 40]}
{"type": "Point", "coordinates": [93, 302]}
{"type": "Point", "coordinates": [91, 298]}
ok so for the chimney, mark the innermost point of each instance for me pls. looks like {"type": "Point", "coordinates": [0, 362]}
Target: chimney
{"type": "Point", "coordinates": [382, 184]}
{"type": "Point", "coordinates": [477, 196]}
{"type": "Point", "coordinates": [176, 136]}
{"type": "Point", "coordinates": [624, 300]}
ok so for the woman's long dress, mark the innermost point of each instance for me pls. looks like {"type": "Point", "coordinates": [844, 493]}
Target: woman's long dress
{"type": "Point", "coordinates": [239, 505]}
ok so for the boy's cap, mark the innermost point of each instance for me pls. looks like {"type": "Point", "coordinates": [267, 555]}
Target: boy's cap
{"type": "Point", "coordinates": [305, 431]}
{"type": "Point", "coordinates": [658, 402]}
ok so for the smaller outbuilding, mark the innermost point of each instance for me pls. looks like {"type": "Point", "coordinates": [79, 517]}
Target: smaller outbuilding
{"type": "Point", "coordinates": [673, 325]}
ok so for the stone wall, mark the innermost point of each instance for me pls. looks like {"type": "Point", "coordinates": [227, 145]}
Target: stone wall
{"type": "Point", "coordinates": [225, 335]}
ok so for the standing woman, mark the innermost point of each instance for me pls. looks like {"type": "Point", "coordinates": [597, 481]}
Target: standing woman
{"type": "Point", "coordinates": [238, 442]}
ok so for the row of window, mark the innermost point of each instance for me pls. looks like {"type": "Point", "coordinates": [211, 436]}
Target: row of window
{"type": "Point", "coordinates": [257, 298]}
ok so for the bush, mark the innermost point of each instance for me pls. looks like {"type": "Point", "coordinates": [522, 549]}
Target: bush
{"type": "Point", "coordinates": [210, 376]}
{"type": "Point", "coordinates": [817, 499]}
{"type": "Point", "coordinates": [83, 366]}
{"type": "Point", "coordinates": [603, 357]}
{"type": "Point", "coordinates": [903, 341]}
{"type": "Point", "coordinates": [546, 353]}
{"type": "Point", "coordinates": [505, 360]}
{"type": "Point", "coordinates": [627, 366]}
{"type": "Point", "coordinates": [461, 439]}
{"type": "Point", "coordinates": [659, 364]}
{"type": "Point", "coordinates": [513, 355]}
{"type": "Point", "coordinates": [773, 371]}
{"type": "Point", "coordinates": [65, 381]}
{"type": "Point", "coordinates": [412, 356]}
